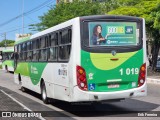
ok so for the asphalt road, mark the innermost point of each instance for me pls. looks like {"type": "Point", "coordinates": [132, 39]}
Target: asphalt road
{"type": "Point", "coordinates": [124, 110]}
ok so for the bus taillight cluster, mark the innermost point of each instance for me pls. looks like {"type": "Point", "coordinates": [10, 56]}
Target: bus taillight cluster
{"type": "Point", "coordinates": [142, 75]}
{"type": "Point", "coordinates": [81, 78]}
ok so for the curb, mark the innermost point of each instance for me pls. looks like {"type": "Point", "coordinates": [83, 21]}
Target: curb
{"type": "Point", "coordinates": [154, 81]}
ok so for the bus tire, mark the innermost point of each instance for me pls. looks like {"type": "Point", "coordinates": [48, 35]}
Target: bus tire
{"type": "Point", "coordinates": [23, 89]}
{"type": "Point", "coordinates": [44, 93]}
{"type": "Point", "coordinates": [20, 80]}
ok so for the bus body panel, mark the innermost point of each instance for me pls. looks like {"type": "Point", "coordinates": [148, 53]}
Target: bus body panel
{"type": "Point", "coordinates": [103, 73]}
{"type": "Point", "coordinates": [54, 75]}
{"type": "Point", "coordinates": [102, 96]}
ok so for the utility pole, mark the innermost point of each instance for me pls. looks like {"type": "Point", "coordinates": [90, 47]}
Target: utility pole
{"type": "Point", "coordinates": [22, 16]}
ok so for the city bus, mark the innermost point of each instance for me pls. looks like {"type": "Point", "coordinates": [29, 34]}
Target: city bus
{"type": "Point", "coordinates": [89, 58]}
{"type": "Point", "coordinates": [7, 58]}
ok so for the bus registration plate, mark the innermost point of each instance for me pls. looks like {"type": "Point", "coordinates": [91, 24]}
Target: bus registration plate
{"type": "Point", "coordinates": [113, 86]}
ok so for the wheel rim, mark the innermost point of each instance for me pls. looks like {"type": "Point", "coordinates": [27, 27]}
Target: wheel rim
{"type": "Point", "coordinates": [44, 93]}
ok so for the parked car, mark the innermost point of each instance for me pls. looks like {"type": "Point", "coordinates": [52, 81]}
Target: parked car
{"type": "Point", "coordinates": [158, 64]}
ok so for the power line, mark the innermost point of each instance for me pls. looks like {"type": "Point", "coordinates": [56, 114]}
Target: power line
{"type": "Point", "coordinates": [1, 34]}
{"type": "Point", "coordinates": [29, 12]}
{"type": "Point", "coordinates": [15, 27]}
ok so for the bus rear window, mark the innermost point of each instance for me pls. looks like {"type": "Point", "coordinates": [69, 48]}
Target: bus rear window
{"type": "Point", "coordinates": [113, 34]}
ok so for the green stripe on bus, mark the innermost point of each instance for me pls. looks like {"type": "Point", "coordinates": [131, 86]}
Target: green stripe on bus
{"type": "Point", "coordinates": [32, 70]}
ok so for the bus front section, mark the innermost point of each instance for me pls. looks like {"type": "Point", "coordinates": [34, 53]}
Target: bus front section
{"type": "Point", "coordinates": [113, 52]}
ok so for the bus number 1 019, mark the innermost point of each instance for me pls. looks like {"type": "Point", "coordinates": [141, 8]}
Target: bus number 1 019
{"type": "Point", "coordinates": [129, 71]}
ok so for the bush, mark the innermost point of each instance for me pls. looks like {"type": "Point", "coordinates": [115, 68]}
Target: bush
{"type": "Point", "coordinates": [0, 66]}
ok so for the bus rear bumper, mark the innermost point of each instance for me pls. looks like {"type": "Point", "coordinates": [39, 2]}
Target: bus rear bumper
{"type": "Point", "coordinates": [83, 96]}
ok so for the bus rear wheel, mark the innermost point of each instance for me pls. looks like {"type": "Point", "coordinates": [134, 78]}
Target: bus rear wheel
{"type": "Point", "coordinates": [44, 93]}
{"type": "Point", "coordinates": [23, 89]}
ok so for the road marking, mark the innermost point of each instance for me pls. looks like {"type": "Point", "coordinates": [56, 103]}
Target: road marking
{"type": "Point", "coordinates": [21, 104]}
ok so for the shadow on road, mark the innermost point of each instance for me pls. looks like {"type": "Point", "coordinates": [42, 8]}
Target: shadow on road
{"type": "Point", "coordinates": [127, 107]}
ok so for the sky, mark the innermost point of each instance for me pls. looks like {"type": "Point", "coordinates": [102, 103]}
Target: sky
{"type": "Point", "coordinates": [11, 24]}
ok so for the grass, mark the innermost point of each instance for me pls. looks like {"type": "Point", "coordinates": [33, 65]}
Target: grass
{"type": "Point", "coordinates": [0, 66]}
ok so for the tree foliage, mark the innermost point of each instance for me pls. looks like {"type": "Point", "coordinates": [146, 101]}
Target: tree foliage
{"type": "Point", "coordinates": [65, 11]}
{"type": "Point", "coordinates": [7, 43]}
{"type": "Point", "coordinates": [148, 9]}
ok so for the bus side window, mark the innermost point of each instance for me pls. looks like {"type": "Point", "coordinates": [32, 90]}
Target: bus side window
{"type": "Point", "coordinates": [24, 47]}
{"type": "Point", "coordinates": [34, 46]}
{"type": "Point", "coordinates": [64, 52]}
{"type": "Point", "coordinates": [42, 42]}
{"type": "Point", "coordinates": [29, 56]}
{"type": "Point", "coordinates": [69, 35]}
{"type": "Point", "coordinates": [16, 48]}
{"type": "Point", "coordinates": [24, 55]}
{"type": "Point", "coordinates": [53, 54]}
{"type": "Point", "coordinates": [49, 40]}
{"type": "Point", "coordinates": [19, 48]}
{"type": "Point", "coordinates": [35, 55]}
{"type": "Point", "coordinates": [38, 43]}
{"type": "Point", "coordinates": [43, 55]}
{"type": "Point", "coordinates": [24, 51]}
{"type": "Point", "coordinates": [53, 50]}
{"type": "Point", "coordinates": [28, 45]}
{"type": "Point", "coordinates": [54, 39]}
{"type": "Point", "coordinates": [46, 41]}
{"type": "Point", "coordinates": [65, 45]}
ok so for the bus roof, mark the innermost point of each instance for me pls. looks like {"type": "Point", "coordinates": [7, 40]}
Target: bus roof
{"type": "Point", "coordinates": [52, 29]}
{"type": "Point", "coordinates": [22, 40]}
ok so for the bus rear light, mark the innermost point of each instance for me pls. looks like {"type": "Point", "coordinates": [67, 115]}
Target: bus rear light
{"type": "Point", "coordinates": [80, 71]}
{"type": "Point", "coordinates": [81, 78]}
{"type": "Point", "coordinates": [142, 75]}
{"type": "Point", "coordinates": [141, 81]}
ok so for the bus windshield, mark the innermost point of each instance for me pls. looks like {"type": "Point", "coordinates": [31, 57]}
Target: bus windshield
{"type": "Point", "coordinates": [113, 34]}
{"type": "Point", "coordinates": [7, 56]}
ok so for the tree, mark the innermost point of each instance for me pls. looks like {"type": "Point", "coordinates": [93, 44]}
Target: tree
{"type": "Point", "coordinates": [148, 9]}
{"type": "Point", "coordinates": [65, 11]}
{"type": "Point", "coordinates": [7, 42]}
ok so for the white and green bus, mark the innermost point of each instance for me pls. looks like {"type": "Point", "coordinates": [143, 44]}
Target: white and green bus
{"type": "Point", "coordinates": [7, 59]}
{"type": "Point", "coordinates": [91, 58]}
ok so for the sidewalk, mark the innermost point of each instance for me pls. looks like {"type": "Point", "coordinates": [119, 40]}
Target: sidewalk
{"type": "Point", "coordinates": [11, 109]}
{"type": "Point", "coordinates": [153, 79]}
